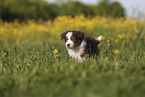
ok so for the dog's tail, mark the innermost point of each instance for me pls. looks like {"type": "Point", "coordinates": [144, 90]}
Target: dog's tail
{"type": "Point", "coordinates": [99, 39]}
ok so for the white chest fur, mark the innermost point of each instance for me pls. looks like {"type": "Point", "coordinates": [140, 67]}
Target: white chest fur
{"type": "Point", "coordinates": [76, 52]}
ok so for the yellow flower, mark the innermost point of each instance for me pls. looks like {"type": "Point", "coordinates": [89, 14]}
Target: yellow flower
{"type": "Point", "coordinates": [55, 51]}
{"type": "Point", "coordinates": [116, 52]}
{"type": "Point", "coordinates": [66, 63]}
{"type": "Point", "coordinates": [116, 40]}
{"type": "Point", "coordinates": [120, 36]}
{"type": "Point", "coordinates": [103, 37]}
{"type": "Point", "coordinates": [111, 38]}
{"type": "Point", "coordinates": [134, 37]}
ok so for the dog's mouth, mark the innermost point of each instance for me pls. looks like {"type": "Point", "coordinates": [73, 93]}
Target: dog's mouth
{"type": "Point", "coordinates": [69, 47]}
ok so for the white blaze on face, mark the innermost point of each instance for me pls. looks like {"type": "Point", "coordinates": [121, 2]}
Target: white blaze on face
{"type": "Point", "coordinates": [69, 43]}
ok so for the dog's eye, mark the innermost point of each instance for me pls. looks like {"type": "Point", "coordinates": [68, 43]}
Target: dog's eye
{"type": "Point", "coordinates": [72, 38]}
{"type": "Point", "coordinates": [66, 38]}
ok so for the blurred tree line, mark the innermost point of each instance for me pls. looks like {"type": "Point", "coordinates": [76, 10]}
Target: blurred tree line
{"type": "Point", "coordinates": [40, 9]}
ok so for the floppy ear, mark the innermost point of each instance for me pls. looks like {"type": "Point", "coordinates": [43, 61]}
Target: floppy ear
{"type": "Point", "coordinates": [63, 35]}
{"type": "Point", "coordinates": [80, 35]}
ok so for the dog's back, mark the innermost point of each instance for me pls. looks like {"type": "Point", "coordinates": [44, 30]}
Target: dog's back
{"type": "Point", "coordinates": [91, 46]}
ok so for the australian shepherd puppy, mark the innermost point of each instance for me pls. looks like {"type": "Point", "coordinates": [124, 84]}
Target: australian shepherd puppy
{"type": "Point", "coordinates": [78, 45]}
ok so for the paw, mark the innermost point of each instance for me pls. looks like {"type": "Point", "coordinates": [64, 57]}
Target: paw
{"type": "Point", "coordinates": [80, 59]}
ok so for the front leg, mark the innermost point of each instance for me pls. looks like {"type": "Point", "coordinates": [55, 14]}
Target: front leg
{"type": "Point", "coordinates": [80, 59]}
{"type": "Point", "coordinates": [71, 53]}
{"type": "Point", "coordinates": [81, 53]}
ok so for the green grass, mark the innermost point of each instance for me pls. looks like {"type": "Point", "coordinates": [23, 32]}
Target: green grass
{"type": "Point", "coordinates": [30, 70]}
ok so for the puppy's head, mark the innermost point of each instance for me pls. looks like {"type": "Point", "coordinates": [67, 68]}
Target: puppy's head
{"type": "Point", "coordinates": [72, 38]}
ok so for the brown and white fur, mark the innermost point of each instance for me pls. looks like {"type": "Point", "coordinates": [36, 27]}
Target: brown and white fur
{"type": "Point", "coordinates": [78, 45]}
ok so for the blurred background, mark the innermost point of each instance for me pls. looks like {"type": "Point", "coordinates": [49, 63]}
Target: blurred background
{"type": "Point", "coordinates": [132, 7]}
{"type": "Point", "coordinates": [50, 9]}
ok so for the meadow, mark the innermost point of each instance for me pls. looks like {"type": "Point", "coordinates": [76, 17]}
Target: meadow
{"type": "Point", "coordinates": [35, 62]}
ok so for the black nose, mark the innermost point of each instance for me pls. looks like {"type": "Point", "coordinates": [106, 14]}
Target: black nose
{"type": "Point", "coordinates": [68, 45]}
